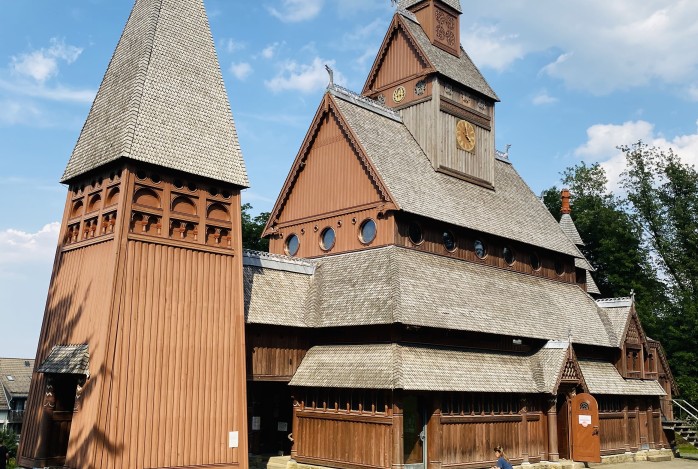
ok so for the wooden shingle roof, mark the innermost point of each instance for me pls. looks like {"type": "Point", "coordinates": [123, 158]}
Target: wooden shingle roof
{"type": "Point", "coordinates": [162, 100]}
{"type": "Point", "coordinates": [455, 4]}
{"type": "Point", "coordinates": [67, 359]}
{"type": "Point", "coordinates": [460, 69]}
{"type": "Point", "coordinates": [603, 378]}
{"type": "Point", "coordinates": [427, 368]}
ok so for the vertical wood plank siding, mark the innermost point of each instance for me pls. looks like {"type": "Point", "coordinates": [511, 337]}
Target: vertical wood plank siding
{"type": "Point", "coordinates": [77, 311]}
{"type": "Point", "coordinates": [343, 442]}
{"type": "Point", "coordinates": [177, 387]}
{"type": "Point", "coordinates": [333, 177]}
{"type": "Point", "coordinates": [612, 433]}
{"type": "Point", "coordinates": [479, 163]}
{"type": "Point", "coordinates": [274, 353]}
{"type": "Point", "coordinates": [400, 62]}
{"type": "Point", "coordinates": [420, 120]}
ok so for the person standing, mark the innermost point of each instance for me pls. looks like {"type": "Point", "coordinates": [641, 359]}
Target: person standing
{"type": "Point", "coordinates": [4, 456]}
{"type": "Point", "coordinates": [502, 460]}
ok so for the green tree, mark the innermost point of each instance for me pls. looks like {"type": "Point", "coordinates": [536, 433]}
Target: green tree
{"type": "Point", "coordinates": [9, 439]}
{"type": "Point", "coordinates": [252, 228]}
{"type": "Point", "coordinates": [613, 240]}
{"type": "Point", "coordinates": [663, 193]}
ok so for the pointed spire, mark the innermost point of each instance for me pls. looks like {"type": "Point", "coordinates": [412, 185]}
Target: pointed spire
{"type": "Point", "coordinates": [162, 100]}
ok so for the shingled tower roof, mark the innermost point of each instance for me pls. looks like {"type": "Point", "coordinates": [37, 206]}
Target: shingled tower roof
{"type": "Point", "coordinates": [162, 100]}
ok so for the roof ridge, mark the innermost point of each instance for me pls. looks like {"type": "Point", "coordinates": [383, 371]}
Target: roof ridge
{"type": "Point", "coordinates": [362, 101]}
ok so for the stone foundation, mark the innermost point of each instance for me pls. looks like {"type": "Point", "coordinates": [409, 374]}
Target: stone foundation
{"type": "Point", "coordinates": [654, 455]}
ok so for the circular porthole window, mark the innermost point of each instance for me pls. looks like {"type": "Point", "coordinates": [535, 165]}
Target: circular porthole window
{"type": "Point", "coordinates": [449, 241]}
{"type": "Point", "coordinates": [415, 233]}
{"type": "Point", "coordinates": [327, 239]}
{"type": "Point", "coordinates": [509, 255]}
{"type": "Point", "coordinates": [480, 249]}
{"type": "Point", "coordinates": [367, 231]}
{"type": "Point", "coordinates": [535, 261]}
{"type": "Point", "coordinates": [559, 267]}
{"type": "Point", "coordinates": [292, 245]}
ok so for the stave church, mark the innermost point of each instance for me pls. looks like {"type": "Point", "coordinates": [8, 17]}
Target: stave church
{"type": "Point", "coordinates": [418, 305]}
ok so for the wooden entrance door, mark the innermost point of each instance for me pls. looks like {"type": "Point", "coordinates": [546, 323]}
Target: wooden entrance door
{"type": "Point", "coordinates": [584, 428]}
{"type": "Point", "coordinates": [414, 433]}
{"type": "Point", "coordinates": [61, 406]}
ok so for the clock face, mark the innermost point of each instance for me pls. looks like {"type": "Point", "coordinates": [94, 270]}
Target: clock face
{"type": "Point", "coordinates": [465, 135]}
{"type": "Point", "coordinates": [399, 94]}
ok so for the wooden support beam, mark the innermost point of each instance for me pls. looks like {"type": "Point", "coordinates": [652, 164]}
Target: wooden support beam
{"type": "Point", "coordinates": [553, 452]}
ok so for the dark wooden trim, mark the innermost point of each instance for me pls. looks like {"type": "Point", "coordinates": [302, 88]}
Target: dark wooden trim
{"type": "Point", "coordinates": [321, 216]}
{"type": "Point", "coordinates": [89, 242]}
{"type": "Point", "coordinates": [334, 463]}
{"type": "Point", "coordinates": [446, 419]}
{"type": "Point", "coordinates": [413, 103]}
{"type": "Point", "coordinates": [465, 177]}
{"type": "Point", "coordinates": [611, 415]}
{"type": "Point", "coordinates": [454, 108]}
{"type": "Point", "coordinates": [344, 416]}
{"type": "Point", "coordinates": [280, 378]}
{"type": "Point", "coordinates": [180, 244]}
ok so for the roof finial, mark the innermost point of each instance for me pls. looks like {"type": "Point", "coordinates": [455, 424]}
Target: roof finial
{"type": "Point", "coordinates": [569, 335]}
{"type": "Point", "coordinates": [331, 73]}
{"type": "Point", "coordinates": [565, 194]}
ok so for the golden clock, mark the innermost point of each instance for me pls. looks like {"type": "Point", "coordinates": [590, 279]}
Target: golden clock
{"type": "Point", "coordinates": [465, 135]}
{"type": "Point", "coordinates": [399, 94]}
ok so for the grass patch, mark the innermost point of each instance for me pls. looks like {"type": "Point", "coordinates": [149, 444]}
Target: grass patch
{"type": "Point", "coordinates": [685, 447]}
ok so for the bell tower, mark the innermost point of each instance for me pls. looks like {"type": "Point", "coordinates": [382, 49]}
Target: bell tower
{"type": "Point", "coordinates": [422, 71]}
{"type": "Point", "coordinates": [141, 357]}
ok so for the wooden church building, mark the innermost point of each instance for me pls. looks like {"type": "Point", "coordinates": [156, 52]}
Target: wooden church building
{"type": "Point", "coordinates": [418, 306]}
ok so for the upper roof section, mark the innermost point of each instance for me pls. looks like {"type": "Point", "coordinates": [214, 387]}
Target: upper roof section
{"type": "Point", "coordinates": [429, 57]}
{"type": "Point", "coordinates": [511, 211]}
{"type": "Point", "coordinates": [162, 100]}
{"type": "Point", "coordinates": [407, 4]}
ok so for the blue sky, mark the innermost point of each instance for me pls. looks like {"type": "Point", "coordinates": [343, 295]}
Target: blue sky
{"type": "Point", "coordinates": [576, 79]}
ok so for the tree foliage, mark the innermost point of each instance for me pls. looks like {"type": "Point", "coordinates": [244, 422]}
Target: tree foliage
{"type": "Point", "coordinates": [613, 241]}
{"type": "Point", "coordinates": [663, 193]}
{"type": "Point", "coordinates": [9, 439]}
{"type": "Point", "coordinates": [252, 228]}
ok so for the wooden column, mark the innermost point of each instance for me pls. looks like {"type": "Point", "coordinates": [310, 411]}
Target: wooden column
{"type": "Point", "coordinates": [296, 432]}
{"type": "Point", "coordinates": [650, 424]}
{"type": "Point", "coordinates": [398, 458]}
{"type": "Point", "coordinates": [434, 435]}
{"type": "Point", "coordinates": [553, 452]}
{"type": "Point", "coordinates": [626, 433]}
{"type": "Point", "coordinates": [524, 431]}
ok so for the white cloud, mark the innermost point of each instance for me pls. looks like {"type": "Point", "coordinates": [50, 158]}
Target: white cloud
{"type": "Point", "coordinates": [230, 45]}
{"type": "Point", "coordinates": [599, 46]}
{"type": "Point", "coordinates": [292, 11]}
{"type": "Point", "coordinates": [603, 139]}
{"type": "Point", "coordinates": [693, 92]}
{"type": "Point", "coordinates": [269, 51]}
{"type": "Point", "coordinates": [543, 98]}
{"type": "Point", "coordinates": [42, 64]}
{"type": "Point", "coordinates": [305, 78]}
{"type": "Point", "coordinates": [20, 247]}
{"type": "Point", "coordinates": [489, 47]}
{"type": "Point", "coordinates": [52, 93]}
{"type": "Point", "coordinates": [241, 70]}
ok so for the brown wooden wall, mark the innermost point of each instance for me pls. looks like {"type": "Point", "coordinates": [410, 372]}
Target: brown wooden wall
{"type": "Point", "coordinates": [274, 353]}
{"type": "Point", "coordinates": [346, 227]}
{"type": "Point", "coordinates": [77, 312]}
{"type": "Point", "coordinates": [332, 179]}
{"type": "Point", "coordinates": [401, 62]}
{"type": "Point", "coordinates": [433, 242]}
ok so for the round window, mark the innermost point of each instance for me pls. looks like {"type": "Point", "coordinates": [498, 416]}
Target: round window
{"type": "Point", "coordinates": [559, 267]}
{"type": "Point", "coordinates": [508, 255]}
{"type": "Point", "coordinates": [292, 245]}
{"type": "Point", "coordinates": [367, 231]}
{"type": "Point", "coordinates": [415, 233]}
{"type": "Point", "coordinates": [449, 241]}
{"type": "Point", "coordinates": [480, 249]}
{"type": "Point", "coordinates": [327, 239]}
{"type": "Point", "coordinates": [535, 261]}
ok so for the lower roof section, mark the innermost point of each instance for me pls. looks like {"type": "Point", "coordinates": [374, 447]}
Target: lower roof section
{"type": "Point", "coordinates": [429, 368]}
{"type": "Point", "coordinates": [603, 378]}
{"type": "Point", "coordinates": [67, 359]}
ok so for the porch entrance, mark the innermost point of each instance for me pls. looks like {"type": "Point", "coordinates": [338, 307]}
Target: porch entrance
{"type": "Point", "coordinates": [270, 415]}
{"type": "Point", "coordinates": [414, 432]}
{"type": "Point", "coordinates": [61, 390]}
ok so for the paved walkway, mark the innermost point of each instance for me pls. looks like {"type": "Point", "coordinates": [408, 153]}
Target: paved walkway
{"type": "Point", "coordinates": [678, 463]}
